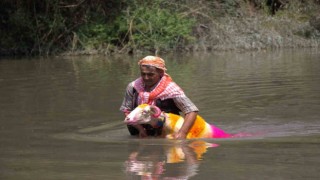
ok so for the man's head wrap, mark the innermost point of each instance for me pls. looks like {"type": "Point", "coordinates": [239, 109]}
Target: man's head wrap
{"type": "Point", "coordinates": [154, 61]}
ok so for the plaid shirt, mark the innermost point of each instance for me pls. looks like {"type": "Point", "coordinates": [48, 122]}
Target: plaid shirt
{"type": "Point", "coordinates": [181, 101]}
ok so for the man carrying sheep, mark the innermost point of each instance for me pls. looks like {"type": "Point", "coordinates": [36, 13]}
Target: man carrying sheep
{"type": "Point", "coordinates": [155, 87]}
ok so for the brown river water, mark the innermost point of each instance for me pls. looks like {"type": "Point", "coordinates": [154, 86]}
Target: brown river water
{"type": "Point", "coordinates": [60, 119]}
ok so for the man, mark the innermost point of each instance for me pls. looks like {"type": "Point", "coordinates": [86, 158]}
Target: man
{"type": "Point", "coordinates": [156, 87]}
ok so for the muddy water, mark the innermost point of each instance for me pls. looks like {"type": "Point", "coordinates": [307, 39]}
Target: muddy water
{"type": "Point", "coordinates": [59, 118]}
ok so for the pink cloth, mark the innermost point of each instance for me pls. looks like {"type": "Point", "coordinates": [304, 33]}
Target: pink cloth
{"type": "Point", "coordinates": [219, 133]}
{"type": "Point", "coordinates": [165, 89]}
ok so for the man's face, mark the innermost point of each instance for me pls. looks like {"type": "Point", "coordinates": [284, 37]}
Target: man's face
{"type": "Point", "coordinates": [150, 75]}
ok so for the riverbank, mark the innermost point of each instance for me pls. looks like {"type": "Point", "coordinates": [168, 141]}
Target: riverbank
{"type": "Point", "coordinates": [258, 33]}
{"type": "Point", "coordinates": [241, 34]}
{"type": "Point", "coordinates": [246, 29]}
{"type": "Point", "coordinates": [132, 27]}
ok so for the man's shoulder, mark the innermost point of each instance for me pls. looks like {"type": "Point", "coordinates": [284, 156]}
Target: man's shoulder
{"type": "Point", "coordinates": [130, 88]}
{"type": "Point", "coordinates": [172, 86]}
{"type": "Point", "coordinates": [132, 84]}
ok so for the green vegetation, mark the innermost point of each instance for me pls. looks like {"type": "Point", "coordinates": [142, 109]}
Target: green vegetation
{"type": "Point", "coordinates": [140, 26]}
{"type": "Point", "coordinates": [46, 27]}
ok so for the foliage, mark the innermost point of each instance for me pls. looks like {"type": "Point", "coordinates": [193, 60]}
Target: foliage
{"type": "Point", "coordinates": [46, 26]}
{"type": "Point", "coordinates": [43, 27]}
{"type": "Point", "coordinates": [157, 28]}
{"type": "Point", "coordinates": [229, 7]}
{"type": "Point", "coordinates": [140, 26]}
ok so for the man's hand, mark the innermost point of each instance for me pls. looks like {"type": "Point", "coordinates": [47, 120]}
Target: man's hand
{"type": "Point", "coordinates": [180, 135]}
{"type": "Point", "coordinates": [186, 126]}
{"type": "Point", "coordinates": [142, 131]}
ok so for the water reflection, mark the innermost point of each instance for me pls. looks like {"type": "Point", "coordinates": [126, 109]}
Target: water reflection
{"type": "Point", "coordinates": [179, 160]}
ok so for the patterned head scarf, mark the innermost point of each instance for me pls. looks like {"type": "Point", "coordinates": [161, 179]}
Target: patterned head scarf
{"type": "Point", "coordinates": [154, 61]}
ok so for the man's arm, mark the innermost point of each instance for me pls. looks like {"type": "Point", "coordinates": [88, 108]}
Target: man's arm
{"type": "Point", "coordinates": [190, 111]}
{"type": "Point", "coordinates": [142, 131]}
{"type": "Point", "coordinates": [189, 120]}
{"type": "Point", "coordinates": [127, 103]}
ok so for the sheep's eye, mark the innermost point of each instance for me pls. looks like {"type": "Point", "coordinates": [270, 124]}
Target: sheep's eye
{"type": "Point", "coordinates": [145, 112]}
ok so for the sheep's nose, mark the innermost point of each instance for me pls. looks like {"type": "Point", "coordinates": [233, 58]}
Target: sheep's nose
{"type": "Point", "coordinates": [127, 119]}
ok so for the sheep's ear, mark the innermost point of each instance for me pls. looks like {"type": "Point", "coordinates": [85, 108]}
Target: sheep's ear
{"type": "Point", "coordinates": [155, 111]}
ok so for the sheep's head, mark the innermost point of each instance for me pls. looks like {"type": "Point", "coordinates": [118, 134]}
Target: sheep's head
{"type": "Point", "coordinates": [142, 114]}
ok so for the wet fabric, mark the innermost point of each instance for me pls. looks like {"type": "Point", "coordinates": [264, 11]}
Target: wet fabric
{"type": "Point", "coordinates": [153, 61]}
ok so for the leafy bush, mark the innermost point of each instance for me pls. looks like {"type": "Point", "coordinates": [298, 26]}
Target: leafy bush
{"type": "Point", "coordinates": [158, 28]}
{"type": "Point", "coordinates": [141, 25]}
{"type": "Point", "coordinates": [52, 26]}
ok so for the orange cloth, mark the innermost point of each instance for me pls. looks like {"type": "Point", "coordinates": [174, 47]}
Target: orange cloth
{"type": "Point", "coordinates": [153, 61]}
{"type": "Point", "coordinates": [165, 89]}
